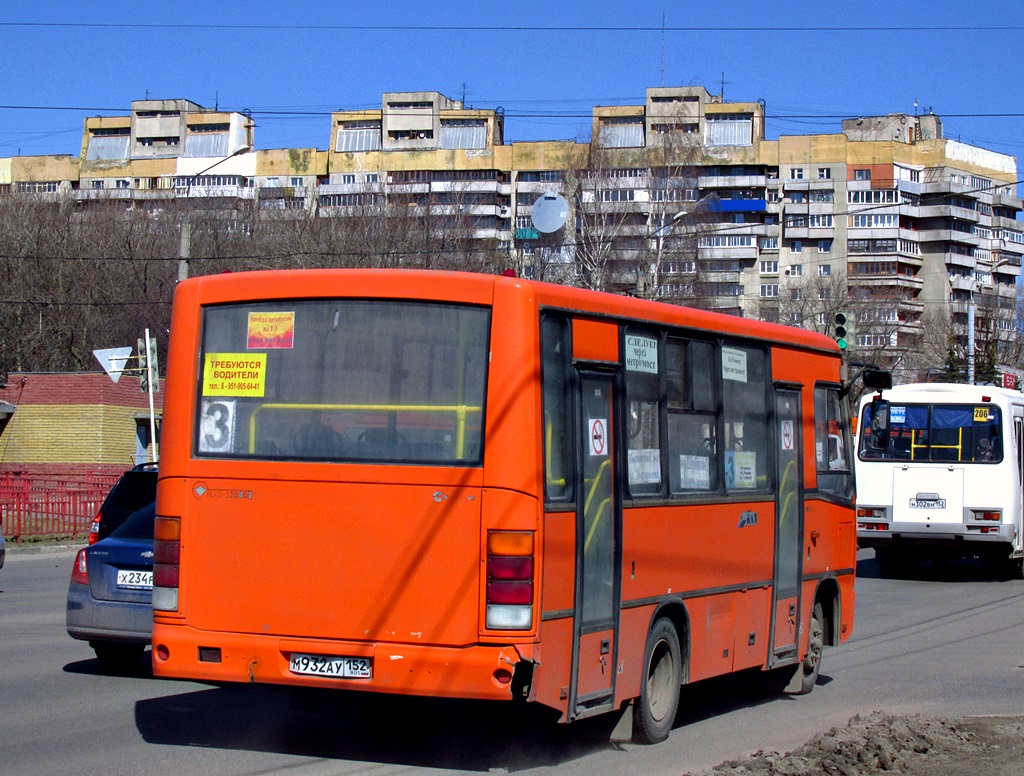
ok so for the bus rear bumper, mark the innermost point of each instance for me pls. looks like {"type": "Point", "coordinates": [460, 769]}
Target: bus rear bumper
{"type": "Point", "coordinates": [937, 534]}
{"type": "Point", "coordinates": [481, 672]}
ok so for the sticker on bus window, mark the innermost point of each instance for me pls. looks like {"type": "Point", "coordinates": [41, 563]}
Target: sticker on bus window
{"type": "Point", "coordinates": [734, 365]}
{"type": "Point", "coordinates": [235, 374]}
{"type": "Point", "coordinates": [217, 427]}
{"type": "Point", "coordinates": [641, 354]}
{"type": "Point", "coordinates": [695, 472]}
{"type": "Point", "coordinates": [597, 430]}
{"type": "Point", "coordinates": [645, 467]}
{"type": "Point", "coordinates": [981, 414]}
{"type": "Point", "coordinates": [897, 415]}
{"type": "Point", "coordinates": [740, 470]}
{"type": "Point", "coordinates": [270, 330]}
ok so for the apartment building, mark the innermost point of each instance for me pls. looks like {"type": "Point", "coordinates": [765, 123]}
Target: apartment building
{"type": "Point", "coordinates": [679, 197]}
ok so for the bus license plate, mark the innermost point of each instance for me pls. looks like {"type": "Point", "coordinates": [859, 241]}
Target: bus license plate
{"type": "Point", "coordinates": [134, 580]}
{"type": "Point", "coordinates": [324, 665]}
{"type": "Point", "coordinates": [919, 503]}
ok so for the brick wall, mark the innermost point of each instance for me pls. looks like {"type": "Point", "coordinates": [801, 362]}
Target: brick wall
{"type": "Point", "coordinates": [73, 425]}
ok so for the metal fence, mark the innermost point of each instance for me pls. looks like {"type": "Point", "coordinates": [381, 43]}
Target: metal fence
{"type": "Point", "coordinates": [36, 507]}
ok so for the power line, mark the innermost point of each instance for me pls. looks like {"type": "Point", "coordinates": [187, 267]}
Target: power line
{"type": "Point", "coordinates": [658, 28]}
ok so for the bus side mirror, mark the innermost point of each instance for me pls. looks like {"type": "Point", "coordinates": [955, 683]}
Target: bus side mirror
{"type": "Point", "coordinates": [878, 434]}
{"type": "Point", "coordinates": [877, 379]}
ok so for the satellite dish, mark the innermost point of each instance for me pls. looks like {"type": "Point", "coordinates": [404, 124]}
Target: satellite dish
{"type": "Point", "coordinates": [549, 212]}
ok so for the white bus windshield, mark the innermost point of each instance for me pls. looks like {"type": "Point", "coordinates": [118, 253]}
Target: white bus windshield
{"type": "Point", "coordinates": [962, 433]}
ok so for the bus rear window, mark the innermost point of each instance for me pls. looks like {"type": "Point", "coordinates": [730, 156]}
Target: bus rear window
{"type": "Point", "coordinates": [962, 433]}
{"type": "Point", "coordinates": [343, 380]}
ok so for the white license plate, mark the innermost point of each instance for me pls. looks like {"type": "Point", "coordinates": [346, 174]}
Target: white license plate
{"type": "Point", "coordinates": [329, 665]}
{"type": "Point", "coordinates": [134, 580]}
{"type": "Point", "coordinates": [918, 503]}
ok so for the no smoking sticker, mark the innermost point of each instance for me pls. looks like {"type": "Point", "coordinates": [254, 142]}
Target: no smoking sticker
{"type": "Point", "coordinates": [598, 436]}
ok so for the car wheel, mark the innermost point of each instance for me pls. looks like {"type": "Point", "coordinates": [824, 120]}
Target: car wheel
{"type": "Point", "coordinates": [118, 658]}
{"type": "Point", "coordinates": [654, 711]}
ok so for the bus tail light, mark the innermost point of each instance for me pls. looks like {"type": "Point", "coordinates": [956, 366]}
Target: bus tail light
{"type": "Point", "coordinates": [510, 566]}
{"type": "Point", "coordinates": [871, 519]}
{"type": "Point", "coordinates": [166, 560]}
{"type": "Point", "coordinates": [992, 515]}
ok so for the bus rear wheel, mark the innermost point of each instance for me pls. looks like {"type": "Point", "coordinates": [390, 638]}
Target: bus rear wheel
{"type": "Point", "coordinates": [654, 712]}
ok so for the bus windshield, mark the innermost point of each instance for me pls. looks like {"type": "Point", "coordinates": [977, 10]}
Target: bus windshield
{"type": "Point", "coordinates": [963, 433]}
{"type": "Point", "coordinates": [346, 380]}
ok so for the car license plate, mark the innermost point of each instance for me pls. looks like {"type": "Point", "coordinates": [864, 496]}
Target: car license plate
{"type": "Point", "coordinates": [919, 503]}
{"type": "Point", "coordinates": [329, 665]}
{"type": "Point", "coordinates": [134, 580]}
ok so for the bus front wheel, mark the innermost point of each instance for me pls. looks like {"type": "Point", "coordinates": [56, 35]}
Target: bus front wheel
{"type": "Point", "coordinates": [811, 666]}
{"type": "Point", "coordinates": [654, 712]}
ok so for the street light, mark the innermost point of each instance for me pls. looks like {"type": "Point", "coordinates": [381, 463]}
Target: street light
{"type": "Point", "coordinates": [971, 306]}
{"type": "Point", "coordinates": [659, 234]}
{"type": "Point", "coordinates": [185, 246]}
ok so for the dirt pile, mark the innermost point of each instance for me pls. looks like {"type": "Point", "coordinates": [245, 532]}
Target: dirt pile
{"type": "Point", "coordinates": [881, 743]}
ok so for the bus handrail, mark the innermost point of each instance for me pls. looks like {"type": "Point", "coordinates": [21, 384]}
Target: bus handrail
{"type": "Point", "coordinates": [461, 412]}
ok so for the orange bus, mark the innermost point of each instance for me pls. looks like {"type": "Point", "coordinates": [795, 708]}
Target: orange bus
{"type": "Point", "coordinates": [470, 486]}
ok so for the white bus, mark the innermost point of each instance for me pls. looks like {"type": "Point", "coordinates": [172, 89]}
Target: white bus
{"type": "Point", "coordinates": [939, 470]}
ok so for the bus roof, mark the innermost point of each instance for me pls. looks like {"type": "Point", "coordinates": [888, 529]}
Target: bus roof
{"type": "Point", "coordinates": [476, 288]}
{"type": "Point", "coordinates": [947, 392]}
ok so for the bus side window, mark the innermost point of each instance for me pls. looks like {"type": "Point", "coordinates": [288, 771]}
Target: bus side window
{"type": "Point", "coordinates": [745, 408]}
{"type": "Point", "coordinates": [643, 412]}
{"type": "Point", "coordinates": [831, 443]}
{"type": "Point", "coordinates": [555, 385]}
{"type": "Point", "coordinates": [692, 416]}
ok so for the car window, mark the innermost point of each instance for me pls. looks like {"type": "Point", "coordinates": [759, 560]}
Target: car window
{"type": "Point", "coordinates": [139, 525]}
{"type": "Point", "coordinates": [134, 490]}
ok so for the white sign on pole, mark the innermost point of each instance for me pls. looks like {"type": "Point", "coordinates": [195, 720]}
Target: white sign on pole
{"type": "Point", "coordinates": [113, 360]}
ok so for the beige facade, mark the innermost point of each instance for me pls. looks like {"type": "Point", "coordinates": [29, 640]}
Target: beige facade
{"type": "Point", "coordinates": [679, 197]}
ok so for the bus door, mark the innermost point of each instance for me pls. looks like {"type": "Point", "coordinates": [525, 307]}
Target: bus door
{"type": "Point", "coordinates": [1018, 446]}
{"type": "Point", "coordinates": [788, 527]}
{"type": "Point", "coordinates": [597, 531]}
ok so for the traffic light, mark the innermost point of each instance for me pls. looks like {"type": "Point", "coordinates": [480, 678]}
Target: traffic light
{"type": "Point", "coordinates": [149, 369]}
{"type": "Point", "coordinates": [839, 330]}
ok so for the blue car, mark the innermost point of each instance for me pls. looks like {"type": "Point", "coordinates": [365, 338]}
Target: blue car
{"type": "Point", "coordinates": [110, 599]}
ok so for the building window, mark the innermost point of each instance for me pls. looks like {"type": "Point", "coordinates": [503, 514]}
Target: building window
{"type": "Point", "coordinates": [824, 271]}
{"type": "Point", "coordinates": [824, 246]}
{"type": "Point", "coordinates": [824, 173]}
{"type": "Point", "coordinates": [820, 220]}
{"type": "Point", "coordinates": [372, 177]}
{"type": "Point", "coordinates": [463, 133]}
{"type": "Point", "coordinates": [874, 221]}
{"type": "Point", "coordinates": [796, 174]}
{"type": "Point", "coordinates": [358, 136]}
{"type": "Point", "coordinates": [97, 184]}
{"type": "Point", "coordinates": [797, 197]}
{"type": "Point", "coordinates": [769, 268]}
{"type": "Point", "coordinates": [796, 246]}
{"type": "Point", "coordinates": [626, 132]}
{"type": "Point", "coordinates": [296, 182]}
{"type": "Point", "coordinates": [348, 178]}
{"type": "Point", "coordinates": [862, 175]}
{"type": "Point", "coordinates": [796, 270]}
{"type": "Point", "coordinates": [769, 244]}
{"type": "Point", "coordinates": [730, 130]}
{"type": "Point", "coordinates": [122, 183]}
{"type": "Point", "coordinates": [769, 289]}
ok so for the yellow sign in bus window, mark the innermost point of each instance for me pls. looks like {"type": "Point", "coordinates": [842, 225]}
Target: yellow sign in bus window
{"type": "Point", "coordinates": [981, 414]}
{"type": "Point", "coordinates": [271, 330]}
{"type": "Point", "coordinates": [235, 374]}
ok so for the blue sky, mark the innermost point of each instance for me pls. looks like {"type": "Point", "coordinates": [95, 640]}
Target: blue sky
{"type": "Point", "coordinates": [545, 63]}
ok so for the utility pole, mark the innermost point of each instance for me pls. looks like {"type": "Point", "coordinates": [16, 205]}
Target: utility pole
{"type": "Point", "coordinates": [185, 247]}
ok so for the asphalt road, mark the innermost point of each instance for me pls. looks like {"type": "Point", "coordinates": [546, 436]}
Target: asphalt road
{"type": "Point", "coordinates": [948, 645]}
